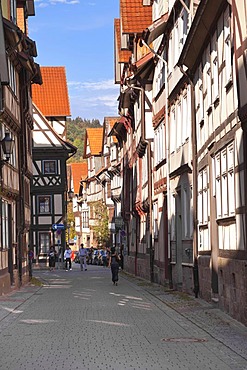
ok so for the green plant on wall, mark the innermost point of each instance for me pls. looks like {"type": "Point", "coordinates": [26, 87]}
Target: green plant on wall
{"type": "Point", "coordinates": [70, 230]}
{"type": "Point", "coordinates": [101, 228]}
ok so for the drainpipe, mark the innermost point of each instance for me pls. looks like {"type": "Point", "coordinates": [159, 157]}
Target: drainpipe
{"type": "Point", "coordinates": [194, 184]}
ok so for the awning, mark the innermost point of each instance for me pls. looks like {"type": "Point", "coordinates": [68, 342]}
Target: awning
{"type": "Point", "coordinates": [144, 69]}
{"type": "Point", "coordinates": [13, 34]}
{"type": "Point", "coordinates": [37, 78]}
{"type": "Point", "coordinates": [199, 31]}
{"type": "Point", "coordinates": [25, 62]}
{"type": "Point", "coordinates": [126, 98]}
{"type": "Point", "coordinates": [155, 30]}
{"type": "Point", "coordinates": [4, 76]}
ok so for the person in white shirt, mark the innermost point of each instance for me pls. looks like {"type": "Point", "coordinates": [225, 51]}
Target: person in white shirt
{"type": "Point", "coordinates": [67, 257]}
{"type": "Point", "coordinates": [83, 257]}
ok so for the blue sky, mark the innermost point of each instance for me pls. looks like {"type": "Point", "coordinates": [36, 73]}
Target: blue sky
{"type": "Point", "coordinates": [78, 34]}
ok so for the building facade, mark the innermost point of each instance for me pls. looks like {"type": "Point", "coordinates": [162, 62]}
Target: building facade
{"type": "Point", "coordinates": [181, 136]}
{"type": "Point", "coordinates": [18, 71]}
{"type": "Point", "coordinates": [50, 152]}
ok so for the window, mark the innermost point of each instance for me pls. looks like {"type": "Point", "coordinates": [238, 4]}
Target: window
{"type": "Point", "coordinates": [215, 71]}
{"type": "Point", "coordinates": [159, 143]}
{"type": "Point", "coordinates": [85, 223]}
{"type": "Point", "coordinates": [178, 125]}
{"type": "Point", "coordinates": [5, 228]}
{"type": "Point", "coordinates": [187, 212]}
{"type": "Point", "coordinates": [113, 153]}
{"type": "Point", "coordinates": [44, 204]}
{"type": "Point", "coordinates": [203, 197]}
{"type": "Point", "coordinates": [44, 243]}
{"type": "Point", "coordinates": [12, 77]}
{"type": "Point", "coordinates": [173, 218]}
{"type": "Point", "coordinates": [224, 182]}
{"type": "Point", "coordinates": [155, 220]}
{"type": "Point", "coordinates": [172, 130]}
{"type": "Point", "coordinates": [160, 75]}
{"type": "Point", "coordinates": [13, 11]}
{"type": "Point", "coordinates": [203, 210]}
{"type": "Point", "coordinates": [227, 47]}
{"type": "Point", "coordinates": [50, 167]}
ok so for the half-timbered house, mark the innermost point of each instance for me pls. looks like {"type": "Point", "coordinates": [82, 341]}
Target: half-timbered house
{"type": "Point", "coordinates": [49, 188]}
{"type": "Point", "coordinates": [50, 153]}
{"type": "Point", "coordinates": [77, 172]}
{"type": "Point", "coordinates": [17, 71]}
{"type": "Point", "coordinates": [94, 186]}
{"type": "Point", "coordinates": [220, 153]}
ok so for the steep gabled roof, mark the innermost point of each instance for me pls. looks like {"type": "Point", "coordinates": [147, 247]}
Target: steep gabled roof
{"type": "Point", "coordinates": [45, 137]}
{"type": "Point", "coordinates": [94, 137]}
{"type": "Point", "coordinates": [123, 55]}
{"type": "Point", "coordinates": [52, 97]}
{"type": "Point", "coordinates": [135, 17]}
{"type": "Point", "coordinates": [79, 172]}
{"type": "Point", "coordinates": [111, 121]}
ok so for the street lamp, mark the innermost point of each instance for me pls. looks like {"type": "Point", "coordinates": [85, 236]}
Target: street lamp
{"type": "Point", "coordinates": [7, 144]}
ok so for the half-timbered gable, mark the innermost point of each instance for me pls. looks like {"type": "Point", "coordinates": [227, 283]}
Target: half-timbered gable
{"type": "Point", "coordinates": [49, 186]}
{"type": "Point", "coordinates": [94, 187]}
{"type": "Point", "coordinates": [77, 172]}
{"type": "Point", "coordinates": [52, 98]}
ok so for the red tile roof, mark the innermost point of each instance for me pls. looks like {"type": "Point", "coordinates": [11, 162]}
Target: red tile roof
{"type": "Point", "coordinates": [111, 121]}
{"type": "Point", "coordinates": [135, 17]}
{"type": "Point", "coordinates": [95, 137]}
{"type": "Point", "coordinates": [52, 96]}
{"type": "Point", "coordinates": [123, 55]}
{"type": "Point", "coordinates": [79, 172]}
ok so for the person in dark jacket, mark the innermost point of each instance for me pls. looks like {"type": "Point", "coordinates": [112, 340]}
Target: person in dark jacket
{"type": "Point", "coordinates": [52, 258]}
{"type": "Point", "coordinates": [113, 262]}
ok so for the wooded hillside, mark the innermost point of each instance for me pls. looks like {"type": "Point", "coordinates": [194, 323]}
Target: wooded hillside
{"type": "Point", "coordinates": [76, 134]}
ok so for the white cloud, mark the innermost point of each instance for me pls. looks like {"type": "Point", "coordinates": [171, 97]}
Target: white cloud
{"type": "Point", "coordinates": [41, 4]}
{"type": "Point", "coordinates": [99, 85]}
{"type": "Point", "coordinates": [96, 99]}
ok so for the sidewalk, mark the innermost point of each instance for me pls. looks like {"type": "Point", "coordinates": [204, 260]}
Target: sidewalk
{"type": "Point", "coordinates": [214, 321]}
{"type": "Point", "coordinates": [79, 320]}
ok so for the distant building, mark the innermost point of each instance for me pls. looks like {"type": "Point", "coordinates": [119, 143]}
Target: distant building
{"type": "Point", "coordinates": [50, 153]}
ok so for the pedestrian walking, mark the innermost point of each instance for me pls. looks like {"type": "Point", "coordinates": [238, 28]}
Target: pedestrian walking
{"type": "Point", "coordinates": [52, 258]}
{"type": "Point", "coordinates": [113, 263]}
{"type": "Point", "coordinates": [83, 257]}
{"type": "Point", "coordinates": [67, 257]}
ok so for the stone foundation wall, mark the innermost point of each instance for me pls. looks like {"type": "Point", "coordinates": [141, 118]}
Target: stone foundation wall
{"type": "Point", "coordinates": [233, 288]}
{"type": "Point", "coordinates": [204, 278]}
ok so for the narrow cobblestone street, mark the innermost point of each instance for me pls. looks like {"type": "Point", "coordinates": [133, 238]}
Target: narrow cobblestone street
{"type": "Point", "coordinates": [79, 320]}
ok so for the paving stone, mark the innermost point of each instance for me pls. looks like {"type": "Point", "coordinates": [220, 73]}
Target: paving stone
{"type": "Point", "coordinates": [79, 320]}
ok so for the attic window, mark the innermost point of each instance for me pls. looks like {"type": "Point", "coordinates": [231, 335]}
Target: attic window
{"type": "Point", "coordinates": [147, 2]}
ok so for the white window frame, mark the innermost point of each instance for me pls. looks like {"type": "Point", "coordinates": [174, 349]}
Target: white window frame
{"type": "Point", "coordinates": [225, 182]}
{"type": "Point", "coordinates": [159, 143]}
{"type": "Point", "coordinates": [155, 219]}
{"type": "Point", "coordinates": [227, 47]}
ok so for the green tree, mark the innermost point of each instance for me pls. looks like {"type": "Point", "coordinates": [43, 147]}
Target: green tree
{"type": "Point", "coordinates": [101, 228]}
{"type": "Point", "coordinates": [70, 230]}
{"type": "Point", "coordinates": [76, 129]}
